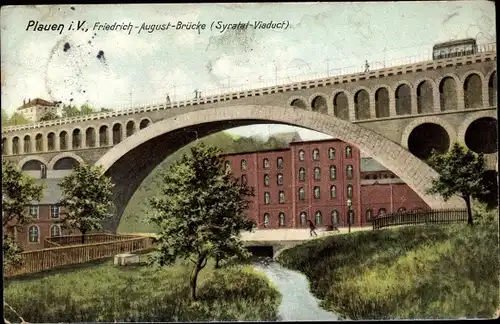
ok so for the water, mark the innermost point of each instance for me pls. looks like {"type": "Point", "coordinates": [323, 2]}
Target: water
{"type": "Point", "coordinates": [298, 304]}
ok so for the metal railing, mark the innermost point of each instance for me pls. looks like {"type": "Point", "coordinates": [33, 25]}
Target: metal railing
{"type": "Point", "coordinates": [435, 216]}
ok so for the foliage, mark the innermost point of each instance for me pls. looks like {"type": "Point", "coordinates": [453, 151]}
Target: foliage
{"type": "Point", "coordinates": [87, 199]}
{"type": "Point", "coordinates": [49, 116]}
{"type": "Point", "coordinates": [11, 251]}
{"type": "Point", "coordinates": [15, 119]}
{"type": "Point", "coordinates": [106, 293]}
{"type": "Point", "coordinates": [201, 212]}
{"type": "Point", "coordinates": [415, 272]}
{"type": "Point", "coordinates": [461, 172]}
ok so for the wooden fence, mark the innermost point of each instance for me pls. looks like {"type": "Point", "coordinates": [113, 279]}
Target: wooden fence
{"type": "Point", "coordinates": [66, 240]}
{"type": "Point", "coordinates": [40, 260]}
{"type": "Point", "coordinates": [436, 216]}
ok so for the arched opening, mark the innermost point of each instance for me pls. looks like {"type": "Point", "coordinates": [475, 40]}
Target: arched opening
{"type": "Point", "coordinates": [27, 144]}
{"type": "Point", "coordinates": [382, 103]}
{"type": "Point", "coordinates": [103, 136]}
{"type": "Point", "coordinates": [130, 128]}
{"type": "Point", "coordinates": [144, 123]}
{"type": "Point", "coordinates": [51, 141]}
{"type": "Point", "coordinates": [117, 133]}
{"type": "Point", "coordinates": [362, 105]}
{"type": "Point", "coordinates": [341, 106]}
{"type": "Point", "coordinates": [481, 135]}
{"type": "Point", "coordinates": [4, 145]}
{"type": "Point", "coordinates": [319, 105]}
{"type": "Point", "coordinates": [490, 181]}
{"type": "Point", "coordinates": [63, 140]}
{"type": "Point", "coordinates": [39, 143]}
{"type": "Point", "coordinates": [15, 145]}
{"type": "Point", "coordinates": [473, 92]}
{"type": "Point", "coordinates": [448, 94]}
{"type": "Point", "coordinates": [77, 139]}
{"type": "Point", "coordinates": [32, 165]}
{"type": "Point", "coordinates": [298, 103]}
{"type": "Point", "coordinates": [426, 137]}
{"type": "Point", "coordinates": [492, 90]}
{"type": "Point", "coordinates": [65, 163]}
{"type": "Point", "coordinates": [403, 100]}
{"type": "Point", "coordinates": [90, 137]}
{"type": "Point", "coordinates": [425, 98]}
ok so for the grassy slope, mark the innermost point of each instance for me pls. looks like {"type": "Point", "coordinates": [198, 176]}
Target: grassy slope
{"type": "Point", "coordinates": [103, 292]}
{"type": "Point", "coordinates": [407, 272]}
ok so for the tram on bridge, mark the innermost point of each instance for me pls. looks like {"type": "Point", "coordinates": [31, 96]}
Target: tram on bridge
{"type": "Point", "coordinates": [461, 47]}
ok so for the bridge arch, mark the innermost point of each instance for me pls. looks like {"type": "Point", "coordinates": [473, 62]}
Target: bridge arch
{"type": "Point", "coordinates": [403, 93]}
{"type": "Point", "coordinates": [448, 86]}
{"type": "Point", "coordinates": [104, 131]}
{"type": "Point", "coordinates": [491, 78]}
{"type": "Point", "coordinates": [145, 122]}
{"type": "Point", "coordinates": [342, 101]}
{"type": "Point", "coordinates": [130, 127]}
{"type": "Point", "coordinates": [63, 155]}
{"type": "Point", "coordinates": [27, 143]}
{"type": "Point", "coordinates": [362, 101]}
{"type": "Point", "coordinates": [76, 138]}
{"type": "Point", "coordinates": [116, 133]}
{"type": "Point", "coordinates": [426, 91]}
{"type": "Point", "coordinates": [127, 171]}
{"type": "Point", "coordinates": [90, 137]}
{"type": "Point", "coordinates": [450, 130]}
{"type": "Point", "coordinates": [475, 117]}
{"type": "Point", "coordinates": [383, 99]}
{"type": "Point", "coordinates": [27, 159]}
{"type": "Point", "coordinates": [298, 101]}
{"type": "Point", "coordinates": [318, 102]}
{"type": "Point", "coordinates": [472, 84]}
{"type": "Point", "coordinates": [64, 135]}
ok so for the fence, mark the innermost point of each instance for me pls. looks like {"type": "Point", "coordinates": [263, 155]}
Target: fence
{"type": "Point", "coordinates": [437, 216]}
{"type": "Point", "coordinates": [66, 240]}
{"type": "Point", "coordinates": [45, 259]}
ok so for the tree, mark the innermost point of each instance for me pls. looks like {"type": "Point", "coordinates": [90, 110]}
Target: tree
{"type": "Point", "coordinates": [461, 173]}
{"type": "Point", "coordinates": [87, 199]}
{"type": "Point", "coordinates": [200, 213]}
{"type": "Point", "coordinates": [17, 119]}
{"type": "Point", "coordinates": [18, 191]}
{"type": "Point", "coordinates": [70, 111]}
{"type": "Point", "coordinates": [49, 116]}
{"type": "Point", "coordinates": [86, 109]}
{"type": "Point", "coordinates": [5, 117]}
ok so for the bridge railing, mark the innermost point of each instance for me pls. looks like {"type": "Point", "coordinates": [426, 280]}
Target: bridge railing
{"type": "Point", "coordinates": [434, 216]}
{"type": "Point", "coordinates": [186, 97]}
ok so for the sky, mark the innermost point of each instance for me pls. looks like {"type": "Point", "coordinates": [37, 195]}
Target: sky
{"type": "Point", "coordinates": [117, 69]}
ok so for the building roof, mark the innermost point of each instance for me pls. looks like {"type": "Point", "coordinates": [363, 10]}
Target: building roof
{"type": "Point", "coordinates": [52, 193]}
{"type": "Point", "coordinates": [37, 102]}
{"type": "Point", "coordinates": [368, 164]}
{"type": "Point", "coordinates": [288, 137]}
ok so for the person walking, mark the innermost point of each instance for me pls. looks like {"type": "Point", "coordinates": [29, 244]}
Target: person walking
{"type": "Point", "coordinates": [312, 229]}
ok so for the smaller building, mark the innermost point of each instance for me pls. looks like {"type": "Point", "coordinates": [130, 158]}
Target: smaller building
{"type": "Point", "coordinates": [34, 109]}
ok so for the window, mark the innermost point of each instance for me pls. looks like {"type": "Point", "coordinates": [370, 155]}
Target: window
{"type": "Point", "coordinates": [331, 153]}
{"type": "Point", "coordinates": [316, 192]}
{"type": "Point", "coordinates": [369, 215]}
{"type": "Point", "coordinates": [302, 194]}
{"type": "Point", "coordinates": [55, 211]}
{"type": "Point", "coordinates": [349, 191]}
{"type": "Point", "coordinates": [281, 197]}
{"type": "Point", "coordinates": [348, 152]}
{"type": "Point", "coordinates": [244, 179]}
{"type": "Point", "coordinates": [302, 174]}
{"type": "Point", "coordinates": [267, 198]}
{"type": "Point", "coordinates": [34, 211]}
{"type": "Point", "coordinates": [316, 155]}
{"type": "Point", "coordinates": [381, 212]}
{"type": "Point", "coordinates": [282, 219]}
{"type": "Point", "coordinates": [333, 191]}
{"type": "Point", "coordinates": [243, 164]}
{"type": "Point", "coordinates": [303, 219]}
{"type": "Point", "coordinates": [317, 173]}
{"type": "Point", "coordinates": [335, 217]}
{"type": "Point", "coordinates": [266, 180]}
{"type": "Point", "coordinates": [55, 230]}
{"type": "Point", "coordinates": [349, 170]}
{"type": "Point", "coordinates": [302, 155]}
{"type": "Point", "coordinates": [266, 220]}
{"type": "Point", "coordinates": [279, 163]}
{"type": "Point", "coordinates": [333, 172]}
{"type": "Point", "coordinates": [401, 210]}
{"type": "Point", "coordinates": [280, 179]}
{"type": "Point", "coordinates": [266, 164]}
{"type": "Point", "coordinates": [317, 218]}
{"type": "Point", "coordinates": [33, 234]}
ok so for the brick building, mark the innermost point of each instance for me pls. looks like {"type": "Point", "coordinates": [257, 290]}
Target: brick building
{"type": "Point", "coordinates": [318, 180]}
{"type": "Point", "coordinates": [34, 110]}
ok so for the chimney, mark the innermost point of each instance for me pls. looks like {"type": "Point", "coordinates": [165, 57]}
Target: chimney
{"type": "Point", "coordinates": [29, 100]}
{"type": "Point", "coordinates": [24, 101]}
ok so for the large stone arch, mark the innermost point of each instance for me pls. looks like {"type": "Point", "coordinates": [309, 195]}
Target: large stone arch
{"type": "Point", "coordinates": [30, 158]}
{"type": "Point", "coordinates": [431, 120]}
{"type": "Point", "coordinates": [164, 137]}
{"type": "Point", "coordinates": [59, 156]}
{"type": "Point", "coordinates": [470, 119]}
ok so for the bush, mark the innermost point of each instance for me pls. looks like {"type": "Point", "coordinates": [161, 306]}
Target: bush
{"type": "Point", "coordinates": [408, 272]}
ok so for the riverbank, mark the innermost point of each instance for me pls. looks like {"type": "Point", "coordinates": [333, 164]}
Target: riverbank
{"type": "Point", "coordinates": [103, 292]}
{"type": "Point", "coordinates": [415, 272]}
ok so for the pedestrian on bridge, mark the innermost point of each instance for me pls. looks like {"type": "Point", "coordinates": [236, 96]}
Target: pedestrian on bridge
{"type": "Point", "coordinates": [312, 229]}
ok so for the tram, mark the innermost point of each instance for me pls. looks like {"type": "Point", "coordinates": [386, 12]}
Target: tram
{"type": "Point", "coordinates": [461, 47]}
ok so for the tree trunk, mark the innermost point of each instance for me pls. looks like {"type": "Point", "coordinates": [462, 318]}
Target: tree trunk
{"type": "Point", "coordinates": [469, 211]}
{"type": "Point", "coordinates": [217, 260]}
{"type": "Point", "coordinates": [194, 276]}
{"type": "Point", "coordinates": [83, 237]}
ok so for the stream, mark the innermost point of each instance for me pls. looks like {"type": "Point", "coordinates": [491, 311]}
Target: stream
{"type": "Point", "coordinates": [298, 304]}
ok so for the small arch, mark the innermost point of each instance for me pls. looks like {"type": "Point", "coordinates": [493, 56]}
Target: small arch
{"type": "Point", "coordinates": [282, 219]}
{"type": "Point", "coordinates": [382, 102]}
{"type": "Point", "coordinates": [335, 217]}
{"type": "Point", "coordinates": [369, 215]}
{"type": "Point", "coordinates": [76, 138]}
{"type": "Point", "coordinates": [57, 158]}
{"type": "Point", "coordinates": [16, 145]}
{"type": "Point", "coordinates": [145, 122]}
{"type": "Point", "coordinates": [51, 141]}
{"type": "Point", "coordinates": [492, 89]}
{"type": "Point", "coordinates": [117, 133]}
{"type": "Point", "coordinates": [130, 128]}
{"type": "Point", "coordinates": [298, 102]}
{"type": "Point", "coordinates": [302, 193]}
{"type": "Point", "coordinates": [425, 97]}
{"type": "Point", "coordinates": [27, 144]}
{"type": "Point", "coordinates": [303, 218]}
{"type": "Point", "coordinates": [32, 163]}
{"type": "Point", "coordinates": [267, 180]}
{"type": "Point", "coordinates": [362, 104]}
{"type": "Point", "coordinates": [90, 137]}
{"type": "Point", "coordinates": [33, 234]}
{"type": "Point", "coordinates": [302, 155]}
{"type": "Point", "coordinates": [318, 218]}
{"type": "Point", "coordinates": [39, 143]}
{"type": "Point", "coordinates": [302, 174]}
{"type": "Point", "coordinates": [319, 104]}
{"type": "Point", "coordinates": [473, 91]}
{"type": "Point", "coordinates": [341, 105]}
{"type": "Point", "coordinates": [448, 93]}
{"type": "Point", "coordinates": [315, 154]}
{"type": "Point", "coordinates": [403, 100]}
{"type": "Point", "coordinates": [55, 231]}
{"type": "Point", "coordinates": [103, 136]}
{"type": "Point", "coordinates": [333, 191]}
{"type": "Point", "coordinates": [63, 140]}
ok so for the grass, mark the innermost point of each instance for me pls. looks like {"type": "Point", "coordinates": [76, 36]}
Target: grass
{"type": "Point", "coordinates": [414, 272]}
{"type": "Point", "coordinates": [104, 292]}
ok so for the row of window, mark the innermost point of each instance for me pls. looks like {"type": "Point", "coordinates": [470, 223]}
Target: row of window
{"type": "Point", "coordinates": [302, 194]}
{"type": "Point", "coordinates": [302, 154]}
{"type": "Point", "coordinates": [55, 211]}
{"type": "Point", "coordinates": [34, 233]}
